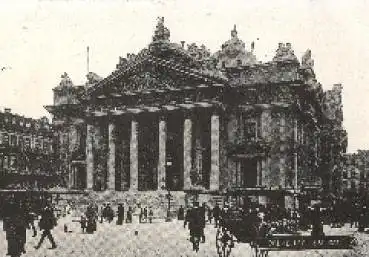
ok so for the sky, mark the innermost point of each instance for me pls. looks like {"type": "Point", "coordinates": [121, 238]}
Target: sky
{"type": "Point", "coordinates": [40, 40]}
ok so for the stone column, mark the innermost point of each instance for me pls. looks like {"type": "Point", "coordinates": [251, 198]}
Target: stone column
{"type": "Point", "coordinates": [295, 136]}
{"type": "Point", "coordinates": [71, 178]}
{"type": "Point", "coordinates": [162, 153]}
{"type": "Point", "coordinates": [187, 149]}
{"type": "Point", "coordinates": [111, 157]}
{"type": "Point", "coordinates": [89, 157]}
{"type": "Point", "coordinates": [214, 172]}
{"type": "Point", "coordinates": [134, 156]}
{"type": "Point", "coordinates": [266, 135]}
{"type": "Point", "coordinates": [282, 149]}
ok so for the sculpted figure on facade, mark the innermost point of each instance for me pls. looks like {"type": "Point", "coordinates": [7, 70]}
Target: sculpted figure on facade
{"type": "Point", "coordinates": [65, 80]}
{"type": "Point", "coordinates": [284, 53]}
{"type": "Point", "coordinates": [93, 78]}
{"type": "Point", "coordinates": [233, 52]}
{"type": "Point", "coordinates": [162, 33]}
{"type": "Point", "coordinates": [306, 60]}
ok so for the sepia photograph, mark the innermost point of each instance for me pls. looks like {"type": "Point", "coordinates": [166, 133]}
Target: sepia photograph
{"type": "Point", "coordinates": [207, 128]}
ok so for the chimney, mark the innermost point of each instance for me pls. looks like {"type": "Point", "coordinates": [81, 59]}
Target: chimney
{"type": "Point", "coordinates": [182, 43]}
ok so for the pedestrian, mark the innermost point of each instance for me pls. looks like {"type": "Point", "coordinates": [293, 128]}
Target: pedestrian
{"type": "Point", "coordinates": [210, 215]}
{"type": "Point", "coordinates": [109, 213]}
{"type": "Point", "coordinates": [83, 223]}
{"type": "Point", "coordinates": [102, 212]}
{"type": "Point", "coordinates": [91, 219]}
{"type": "Point", "coordinates": [203, 221]}
{"type": "Point", "coordinates": [140, 217]}
{"type": "Point", "coordinates": [180, 215]}
{"type": "Point", "coordinates": [187, 217]}
{"type": "Point", "coordinates": [145, 214]}
{"type": "Point", "coordinates": [47, 223]}
{"type": "Point", "coordinates": [30, 217]}
{"type": "Point", "coordinates": [129, 215]}
{"type": "Point", "coordinates": [151, 214]}
{"type": "Point", "coordinates": [120, 214]}
{"type": "Point", "coordinates": [195, 225]}
{"type": "Point", "coordinates": [15, 227]}
{"type": "Point", "coordinates": [216, 214]}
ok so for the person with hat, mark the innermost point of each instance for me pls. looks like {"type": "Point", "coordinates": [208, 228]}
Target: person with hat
{"type": "Point", "coordinates": [216, 214]}
{"type": "Point", "coordinates": [195, 225]}
{"type": "Point", "coordinates": [120, 214]}
{"type": "Point", "coordinates": [47, 223]}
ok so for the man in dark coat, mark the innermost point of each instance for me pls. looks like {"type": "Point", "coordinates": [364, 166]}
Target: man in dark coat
{"type": "Point", "coordinates": [47, 223]}
{"type": "Point", "coordinates": [216, 214]}
{"type": "Point", "coordinates": [203, 221]}
{"type": "Point", "coordinates": [91, 217]}
{"type": "Point", "coordinates": [15, 227]}
{"type": "Point", "coordinates": [30, 217]}
{"type": "Point", "coordinates": [180, 213]}
{"type": "Point", "coordinates": [120, 214]}
{"type": "Point", "coordinates": [195, 222]}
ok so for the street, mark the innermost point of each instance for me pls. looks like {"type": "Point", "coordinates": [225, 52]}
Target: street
{"type": "Point", "coordinates": [157, 239]}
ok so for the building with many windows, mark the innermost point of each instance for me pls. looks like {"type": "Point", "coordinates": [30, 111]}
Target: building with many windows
{"type": "Point", "coordinates": [355, 171]}
{"type": "Point", "coordinates": [180, 118]}
{"type": "Point", "coordinates": [26, 151]}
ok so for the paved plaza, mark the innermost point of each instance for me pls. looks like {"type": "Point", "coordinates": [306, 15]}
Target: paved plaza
{"type": "Point", "coordinates": [158, 239]}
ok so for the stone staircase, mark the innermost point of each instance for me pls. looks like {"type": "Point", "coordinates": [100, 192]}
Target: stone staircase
{"type": "Point", "coordinates": [157, 200]}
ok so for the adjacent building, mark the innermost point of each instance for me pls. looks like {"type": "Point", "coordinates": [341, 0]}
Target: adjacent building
{"type": "Point", "coordinates": [181, 118]}
{"type": "Point", "coordinates": [355, 171]}
{"type": "Point", "coordinates": [26, 151]}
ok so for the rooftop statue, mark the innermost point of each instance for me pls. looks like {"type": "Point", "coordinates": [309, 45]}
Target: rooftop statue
{"type": "Point", "coordinates": [234, 46]}
{"type": "Point", "coordinates": [161, 33]}
{"type": "Point", "coordinates": [65, 81]}
{"type": "Point", "coordinates": [93, 78]}
{"type": "Point", "coordinates": [306, 60]}
{"type": "Point", "coordinates": [284, 53]}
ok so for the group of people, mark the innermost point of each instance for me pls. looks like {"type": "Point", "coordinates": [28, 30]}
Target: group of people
{"type": "Point", "coordinates": [18, 216]}
{"type": "Point", "coordinates": [106, 213]}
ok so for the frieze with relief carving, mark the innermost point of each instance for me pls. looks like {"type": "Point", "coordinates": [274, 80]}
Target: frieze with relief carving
{"type": "Point", "coordinates": [149, 80]}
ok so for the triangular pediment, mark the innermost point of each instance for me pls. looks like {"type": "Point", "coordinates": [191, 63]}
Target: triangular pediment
{"type": "Point", "coordinates": [147, 71]}
{"type": "Point", "coordinates": [162, 65]}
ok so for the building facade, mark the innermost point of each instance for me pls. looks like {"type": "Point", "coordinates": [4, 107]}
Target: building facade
{"type": "Point", "coordinates": [26, 151]}
{"type": "Point", "coordinates": [356, 171]}
{"type": "Point", "coordinates": [180, 118]}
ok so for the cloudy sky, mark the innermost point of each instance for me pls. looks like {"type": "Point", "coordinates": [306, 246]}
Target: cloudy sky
{"type": "Point", "coordinates": [39, 40]}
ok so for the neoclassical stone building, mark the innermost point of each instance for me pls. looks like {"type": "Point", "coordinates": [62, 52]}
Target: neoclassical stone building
{"type": "Point", "coordinates": [181, 118]}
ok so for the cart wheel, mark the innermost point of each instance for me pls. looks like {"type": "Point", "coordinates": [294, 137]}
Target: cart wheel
{"type": "Point", "coordinates": [224, 242]}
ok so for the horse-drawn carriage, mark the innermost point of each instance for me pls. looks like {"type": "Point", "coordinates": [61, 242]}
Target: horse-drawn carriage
{"type": "Point", "coordinates": [240, 224]}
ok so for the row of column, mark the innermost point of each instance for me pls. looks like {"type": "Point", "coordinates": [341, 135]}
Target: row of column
{"type": "Point", "coordinates": [161, 169]}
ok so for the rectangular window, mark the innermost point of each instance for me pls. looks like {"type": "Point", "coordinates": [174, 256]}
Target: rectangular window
{"type": "Point", "coordinates": [13, 163]}
{"type": "Point", "coordinates": [353, 185]}
{"type": "Point", "coordinates": [6, 138]}
{"type": "Point", "coordinates": [250, 130]}
{"type": "Point", "coordinates": [6, 163]}
{"type": "Point", "coordinates": [27, 142]}
{"type": "Point", "coordinates": [13, 140]}
{"type": "Point", "coordinates": [344, 174]}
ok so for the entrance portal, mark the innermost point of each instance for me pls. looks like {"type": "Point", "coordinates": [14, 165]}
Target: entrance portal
{"type": "Point", "coordinates": [248, 172]}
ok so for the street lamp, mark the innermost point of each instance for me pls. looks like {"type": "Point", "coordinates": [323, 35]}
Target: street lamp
{"type": "Point", "coordinates": [169, 197]}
